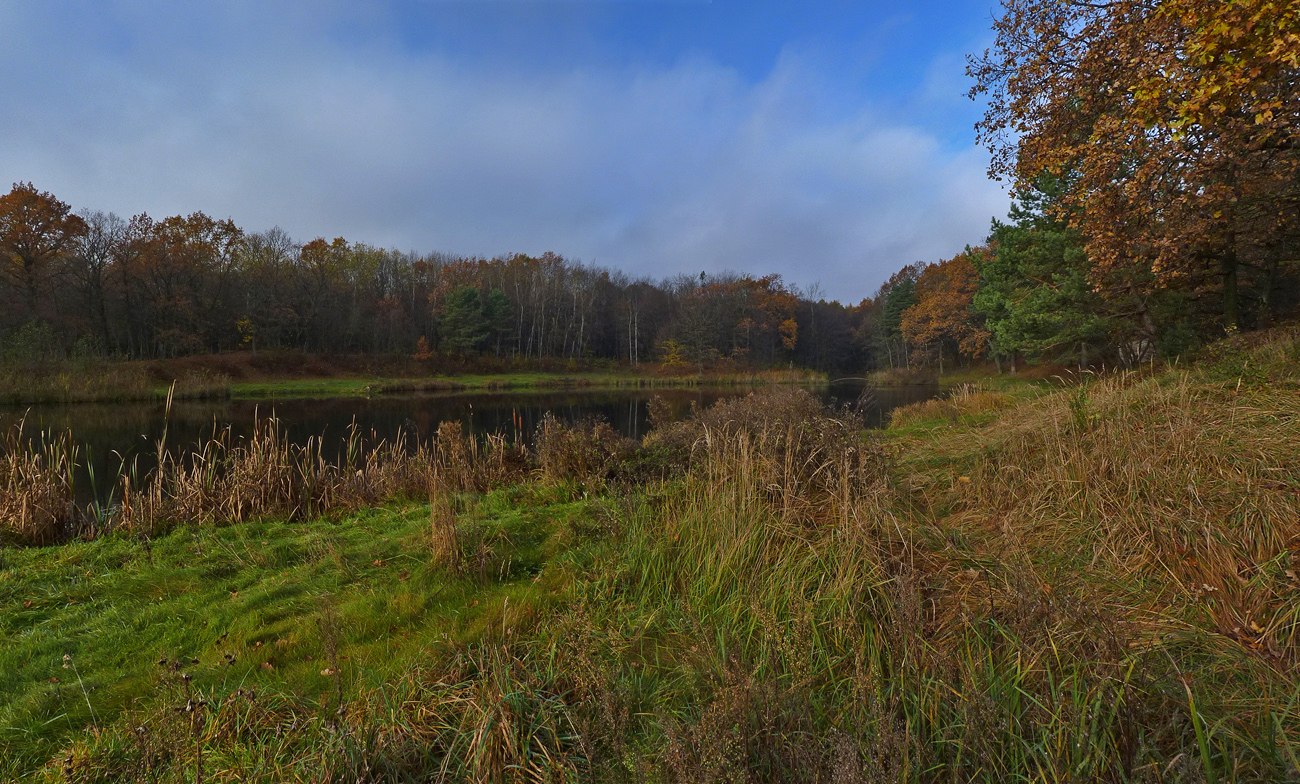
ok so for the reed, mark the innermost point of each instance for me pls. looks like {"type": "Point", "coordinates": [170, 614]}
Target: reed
{"type": "Point", "coordinates": [586, 452]}
{"type": "Point", "coordinates": [228, 480]}
{"type": "Point", "coordinates": [224, 480]}
{"type": "Point", "coordinates": [37, 487]}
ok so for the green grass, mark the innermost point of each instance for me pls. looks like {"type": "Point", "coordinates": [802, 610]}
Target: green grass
{"type": "Point", "coordinates": [241, 607]}
{"type": "Point", "coordinates": [369, 386]}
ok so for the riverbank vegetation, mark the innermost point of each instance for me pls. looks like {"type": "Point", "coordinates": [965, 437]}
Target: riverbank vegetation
{"type": "Point", "coordinates": [291, 375]}
{"type": "Point", "coordinates": [1092, 581]}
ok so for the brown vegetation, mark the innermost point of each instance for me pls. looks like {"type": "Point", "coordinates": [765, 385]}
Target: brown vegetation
{"type": "Point", "coordinates": [964, 399]}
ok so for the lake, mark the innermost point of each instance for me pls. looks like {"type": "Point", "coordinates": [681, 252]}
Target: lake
{"type": "Point", "coordinates": [113, 434]}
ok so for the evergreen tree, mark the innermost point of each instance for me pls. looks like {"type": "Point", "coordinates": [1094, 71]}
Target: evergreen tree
{"type": "Point", "coordinates": [465, 326]}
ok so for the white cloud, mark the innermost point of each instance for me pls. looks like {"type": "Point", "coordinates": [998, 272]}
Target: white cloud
{"type": "Point", "coordinates": [652, 170]}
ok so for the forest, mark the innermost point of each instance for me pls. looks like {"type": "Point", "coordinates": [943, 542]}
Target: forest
{"type": "Point", "coordinates": [95, 284]}
{"type": "Point", "coordinates": [1147, 221]}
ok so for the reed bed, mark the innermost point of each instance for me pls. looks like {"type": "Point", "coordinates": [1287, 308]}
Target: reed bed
{"type": "Point", "coordinates": [227, 480]}
{"type": "Point", "coordinates": [37, 482]}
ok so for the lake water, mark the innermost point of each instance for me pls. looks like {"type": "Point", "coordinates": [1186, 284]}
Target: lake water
{"type": "Point", "coordinates": [111, 435]}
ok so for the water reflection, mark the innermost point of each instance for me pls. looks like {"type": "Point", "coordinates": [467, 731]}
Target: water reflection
{"type": "Point", "coordinates": [125, 434]}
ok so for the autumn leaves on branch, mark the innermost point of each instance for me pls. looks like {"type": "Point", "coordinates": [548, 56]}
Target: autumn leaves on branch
{"type": "Point", "coordinates": [1175, 126]}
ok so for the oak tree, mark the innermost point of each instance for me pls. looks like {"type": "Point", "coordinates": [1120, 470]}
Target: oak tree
{"type": "Point", "coordinates": [1178, 123]}
{"type": "Point", "coordinates": [35, 230]}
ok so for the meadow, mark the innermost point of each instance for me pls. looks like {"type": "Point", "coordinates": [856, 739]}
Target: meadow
{"type": "Point", "coordinates": [1087, 578]}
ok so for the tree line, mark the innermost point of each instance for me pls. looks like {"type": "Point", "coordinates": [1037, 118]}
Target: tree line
{"type": "Point", "coordinates": [93, 283]}
{"type": "Point", "coordinates": [1153, 147]}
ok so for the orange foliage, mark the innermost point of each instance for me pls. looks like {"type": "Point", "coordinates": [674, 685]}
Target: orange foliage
{"type": "Point", "coordinates": [944, 292]}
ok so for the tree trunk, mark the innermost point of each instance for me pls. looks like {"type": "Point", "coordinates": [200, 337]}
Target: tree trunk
{"type": "Point", "coordinates": [1231, 296]}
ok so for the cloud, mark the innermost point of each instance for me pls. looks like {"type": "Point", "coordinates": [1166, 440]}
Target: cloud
{"type": "Point", "coordinates": [325, 124]}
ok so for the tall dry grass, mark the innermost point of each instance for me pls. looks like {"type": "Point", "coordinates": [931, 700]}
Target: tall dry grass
{"type": "Point", "coordinates": [1108, 596]}
{"type": "Point", "coordinates": [1190, 489]}
{"type": "Point", "coordinates": [227, 479]}
{"type": "Point", "coordinates": [37, 487]}
{"type": "Point", "coordinates": [587, 451]}
{"type": "Point", "coordinates": [963, 400]}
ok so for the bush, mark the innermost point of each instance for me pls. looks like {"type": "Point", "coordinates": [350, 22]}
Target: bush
{"type": "Point", "coordinates": [586, 451]}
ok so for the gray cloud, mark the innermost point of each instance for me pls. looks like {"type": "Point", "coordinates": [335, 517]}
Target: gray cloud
{"type": "Point", "coordinates": [290, 121]}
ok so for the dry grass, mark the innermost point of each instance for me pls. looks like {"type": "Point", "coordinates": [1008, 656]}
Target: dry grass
{"type": "Point", "coordinates": [1194, 492]}
{"type": "Point", "coordinates": [586, 451]}
{"type": "Point", "coordinates": [227, 480]}
{"type": "Point", "coordinates": [904, 376]}
{"type": "Point", "coordinates": [468, 464]}
{"type": "Point", "coordinates": [1100, 587]}
{"type": "Point", "coordinates": [90, 381]}
{"type": "Point", "coordinates": [1107, 592]}
{"type": "Point", "coordinates": [964, 400]}
{"type": "Point", "coordinates": [37, 480]}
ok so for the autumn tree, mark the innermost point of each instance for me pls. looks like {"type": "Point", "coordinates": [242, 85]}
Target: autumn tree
{"type": "Point", "coordinates": [1177, 123]}
{"type": "Point", "coordinates": [192, 283]}
{"type": "Point", "coordinates": [941, 318]}
{"type": "Point", "coordinates": [91, 258]}
{"type": "Point", "coordinates": [35, 230]}
{"type": "Point", "coordinates": [189, 265]}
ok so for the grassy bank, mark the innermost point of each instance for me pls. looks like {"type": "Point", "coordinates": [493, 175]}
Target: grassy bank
{"type": "Point", "coordinates": [243, 376]}
{"type": "Point", "coordinates": [1093, 582]}
{"type": "Point", "coordinates": [99, 382]}
{"type": "Point", "coordinates": [262, 623]}
{"type": "Point", "coordinates": [369, 386]}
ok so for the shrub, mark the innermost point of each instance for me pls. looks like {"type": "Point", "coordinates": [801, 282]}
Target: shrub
{"type": "Point", "coordinates": [585, 451]}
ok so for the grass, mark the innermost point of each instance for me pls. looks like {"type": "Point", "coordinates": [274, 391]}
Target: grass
{"type": "Point", "coordinates": [96, 635]}
{"type": "Point", "coordinates": [371, 386]}
{"type": "Point", "coordinates": [283, 375]}
{"type": "Point", "coordinates": [87, 381]}
{"type": "Point", "coordinates": [1057, 583]}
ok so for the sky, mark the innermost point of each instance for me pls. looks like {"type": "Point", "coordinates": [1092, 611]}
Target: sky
{"type": "Point", "coordinates": [831, 143]}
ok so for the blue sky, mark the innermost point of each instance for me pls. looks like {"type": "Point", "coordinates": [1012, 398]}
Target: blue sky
{"type": "Point", "coordinates": [829, 142]}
